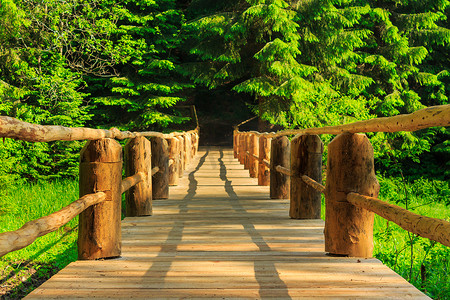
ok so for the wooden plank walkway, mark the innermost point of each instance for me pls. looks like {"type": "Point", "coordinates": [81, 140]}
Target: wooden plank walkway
{"type": "Point", "coordinates": [221, 236]}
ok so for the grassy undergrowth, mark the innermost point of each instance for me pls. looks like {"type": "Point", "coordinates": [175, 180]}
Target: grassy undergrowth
{"type": "Point", "coordinates": [424, 263]}
{"type": "Point", "coordinates": [23, 270]}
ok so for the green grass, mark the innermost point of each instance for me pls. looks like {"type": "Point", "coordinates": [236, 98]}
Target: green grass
{"type": "Point", "coordinates": [429, 268]}
{"type": "Point", "coordinates": [22, 270]}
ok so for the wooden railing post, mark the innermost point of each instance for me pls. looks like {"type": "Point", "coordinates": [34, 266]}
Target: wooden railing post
{"type": "Point", "coordinates": [246, 149]}
{"type": "Point", "coordinates": [194, 143]}
{"type": "Point", "coordinates": [254, 150]}
{"type": "Point", "coordinates": [279, 155]}
{"type": "Point", "coordinates": [264, 155]}
{"type": "Point", "coordinates": [187, 148]}
{"type": "Point", "coordinates": [306, 159]}
{"type": "Point", "coordinates": [235, 143]}
{"type": "Point", "coordinates": [192, 136]}
{"type": "Point", "coordinates": [99, 232]}
{"type": "Point", "coordinates": [160, 159]}
{"type": "Point", "coordinates": [350, 168]}
{"type": "Point", "coordinates": [241, 153]}
{"type": "Point", "coordinates": [181, 156]}
{"type": "Point", "coordinates": [174, 156]}
{"type": "Point", "coordinates": [138, 158]}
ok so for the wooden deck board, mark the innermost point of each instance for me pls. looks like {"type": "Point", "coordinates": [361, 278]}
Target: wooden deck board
{"type": "Point", "coordinates": [220, 236]}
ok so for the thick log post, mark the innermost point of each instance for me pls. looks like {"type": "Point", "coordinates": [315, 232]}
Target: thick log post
{"type": "Point", "coordinates": [279, 155]}
{"type": "Point", "coordinates": [254, 150]}
{"type": "Point", "coordinates": [181, 156]}
{"type": "Point", "coordinates": [246, 149]}
{"type": "Point", "coordinates": [99, 233]}
{"type": "Point", "coordinates": [160, 159]}
{"type": "Point", "coordinates": [235, 143]}
{"type": "Point", "coordinates": [174, 155]}
{"type": "Point", "coordinates": [264, 155]}
{"type": "Point", "coordinates": [306, 159]}
{"type": "Point", "coordinates": [138, 158]}
{"type": "Point", "coordinates": [187, 148]}
{"type": "Point", "coordinates": [350, 168]}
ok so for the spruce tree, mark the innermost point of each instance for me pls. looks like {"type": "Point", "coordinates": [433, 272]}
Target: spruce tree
{"type": "Point", "coordinates": [147, 84]}
{"type": "Point", "coordinates": [288, 55]}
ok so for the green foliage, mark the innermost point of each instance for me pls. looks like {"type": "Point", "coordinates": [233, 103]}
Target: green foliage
{"type": "Point", "coordinates": [429, 266]}
{"type": "Point", "coordinates": [48, 254]}
{"type": "Point", "coordinates": [147, 34]}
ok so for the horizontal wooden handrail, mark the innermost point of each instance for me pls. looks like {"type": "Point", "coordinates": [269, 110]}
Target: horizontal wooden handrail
{"type": "Point", "coordinates": [428, 117]}
{"type": "Point", "coordinates": [155, 170]}
{"type": "Point", "coordinates": [243, 122]}
{"type": "Point", "coordinates": [312, 183]}
{"type": "Point", "coordinates": [434, 229]}
{"type": "Point", "coordinates": [28, 233]}
{"type": "Point", "coordinates": [16, 129]}
{"type": "Point", "coordinates": [283, 170]}
{"type": "Point", "coordinates": [131, 181]}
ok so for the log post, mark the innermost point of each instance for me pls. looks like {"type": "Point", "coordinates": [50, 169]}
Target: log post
{"type": "Point", "coordinates": [99, 232]}
{"type": "Point", "coordinates": [241, 148]}
{"type": "Point", "coordinates": [181, 156]}
{"type": "Point", "coordinates": [194, 143]}
{"type": "Point", "coordinates": [138, 158]}
{"type": "Point", "coordinates": [246, 149]}
{"type": "Point", "coordinates": [254, 150]}
{"type": "Point", "coordinates": [187, 148]}
{"type": "Point", "coordinates": [160, 159]}
{"type": "Point", "coordinates": [235, 143]}
{"type": "Point", "coordinates": [279, 155]}
{"type": "Point", "coordinates": [174, 155]}
{"type": "Point", "coordinates": [350, 168]}
{"type": "Point", "coordinates": [193, 137]}
{"type": "Point", "coordinates": [264, 154]}
{"type": "Point", "coordinates": [306, 159]}
{"type": "Point", "coordinates": [197, 140]}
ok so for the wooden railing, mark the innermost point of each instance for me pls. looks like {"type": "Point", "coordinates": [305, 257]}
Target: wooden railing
{"type": "Point", "coordinates": [150, 167]}
{"type": "Point", "coordinates": [293, 169]}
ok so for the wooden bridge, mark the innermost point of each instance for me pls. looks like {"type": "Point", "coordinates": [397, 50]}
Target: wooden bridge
{"type": "Point", "coordinates": [219, 235]}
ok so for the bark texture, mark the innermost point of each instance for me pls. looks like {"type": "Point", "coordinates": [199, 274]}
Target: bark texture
{"type": "Point", "coordinates": [99, 232]}
{"type": "Point", "coordinates": [350, 168]}
{"type": "Point", "coordinates": [306, 159]}
{"type": "Point", "coordinates": [279, 155]}
{"type": "Point", "coordinates": [138, 159]}
{"type": "Point", "coordinates": [160, 159]}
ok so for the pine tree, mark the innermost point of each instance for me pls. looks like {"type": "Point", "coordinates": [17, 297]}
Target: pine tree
{"type": "Point", "coordinates": [147, 85]}
{"type": "Point", "coordinates": [37, 86]}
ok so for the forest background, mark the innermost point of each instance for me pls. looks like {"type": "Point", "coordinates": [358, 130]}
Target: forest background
{"type": "Point", "coordinates": [294, 64]}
